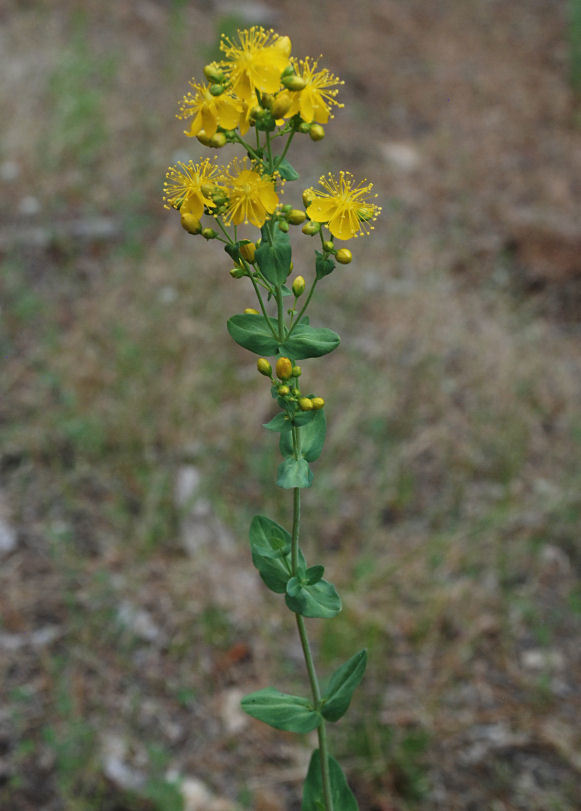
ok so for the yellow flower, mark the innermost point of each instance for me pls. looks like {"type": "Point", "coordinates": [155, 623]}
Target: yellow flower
{"type": "Point", "coordinates": [345, 207]}
{"type": "Point", "coordinates": [208, 111]}
{"type": "Point", "coordinates": [252, 197]}
{"type": "Point", "coordinates": [255, 61]}
{"type": "Point", "coordinates": [315, 100]}
{"type": "Point", "coordinates": [187, 186]}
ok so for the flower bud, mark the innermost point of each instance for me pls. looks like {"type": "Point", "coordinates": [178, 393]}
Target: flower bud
{"type": "Point", "coordinates": [284, 368]}
{"type": "Point", "coordinates": [217, 89]}
{"type": "Point", "coordinates": [283, 226]}
{"type": "Point", "coordinates": [311, 228]}
{"type": "Point", "coordinates": [344, 256]}
{"type": "Point", "coordinates": [295, 392]}
{"type": "Point", "coordinates": [318, 403]}
{"type": "Point", "coordinates": [283, 45]}
{"type": "Point", "coordinates": [288, 71]}
{"type": "Point", "coordinates": [287, 208]}
{"type": "Point", "coordinates": [203, 138]}
{"type": "Point", "coordinates": [298, 286]}
{"type": "Point", "coordinates": [238, 273]}
{"type": "Point", "coordinates": [248, 251]}
{"type": "Point", "coordinates": [267, 100]}
{"type": "Point", "coordinates": [297, 371]}
{"type": "Point", "coordinates": [254, 115]}
{"type": "Point", "coordinates": [305, 404]}
{"type": "Point", "coordinates": [213, 73]}
{"type": "Point", "coordinates": [264, 367]}
{"type": "Point", "coordinates": [328, 246]}
{"type": "Point", "coordinates": [304, 127]}
{"type": "Point", "coordinates": [316, 132]}
{"type": "Point", "coordinates": [190, 223]}
{"type": "Point", "coordinates": [294, 82]}
{"type": "Point", "coordinates": [251, 311]}
{"type": "Point", "coordinates": [296, 216]}
{"type": "Point", "coordinates": [218, 140]}
{"type": "Point", "coordinates": [308, 197]}
{"type": "Point", "coordinates": [209, 233]}
{"type": "Point", "coordinates": [281, 105]}
{"type": "Point", "coordinates": [283, 390]}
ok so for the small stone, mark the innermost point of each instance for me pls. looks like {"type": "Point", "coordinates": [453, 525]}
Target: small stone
{"type": "Point", "coordinates": [231, 714]}
{"type": "Point", "coordinates": [114, 751]}
{"type": "Point", "coordinates": [539, 659]}
{"type": "Point", "coordinates": [29, 206]}
{"type": "Point", "coordinates": [7, 537]}
{"type": "Point", "coordinates": [401, 155]}
{"type": "Point", "coordinates": [138, 621]}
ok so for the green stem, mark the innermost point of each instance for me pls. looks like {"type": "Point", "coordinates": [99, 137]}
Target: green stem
{"type": "Point", "coordinates": [280, 308]}
{"type": "Point", "coordinates": [307, 653]}
{"type": "Point", "coordinates": [281, 157]}
{"type": "Point", "coordinates": [302, 312]}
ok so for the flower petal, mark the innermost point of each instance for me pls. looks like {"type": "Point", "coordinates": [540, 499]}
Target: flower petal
{"type": "Point", "coordinates": [322, 209]}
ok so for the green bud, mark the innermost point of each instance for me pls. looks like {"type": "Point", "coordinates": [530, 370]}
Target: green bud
{"type": "Point", "coordinates": [283, 226]}
{"type": "Point", "coordinates": [297, 371]}
{"type": "Point", "coordinates": [203, 138]}
{"type": "Point", "coordinates": [248, 251]}
{"type": "Point", "coordinates": [213, 73]}
{"type": "Point", "coordinates": [238, 273]}
{"type": "Point", "coordinates": [264, 367]}
{"type": "Point", "coordinates": [344, 256]}
{"type": "Point", "coordinates": [288, 71]}
{"type": "Point", "coordinates": [295, 392]}
{"type": "Point", "coordinates": [209, 233]}
{"type": "Point", "coordinates": [283, 390]}
{"type": "Point", "coordinates": [329, 246]}
{"type": "Point", "coordinates": [293, 82]}
{"type": "Point", "coordinates": [298, 286]}
{"type": "Point", "coordinates": [218, 140]}
{"type": "Point", "coordinates": [287, 208]}
{"type": "Point", "coordinates": [251, 311]}
{"type": "Point", "coordinates": [296, 216]}
{"type": "Point", "coordinates": [217, 89]}
{"type": "Point", "coordinates": [305, 404]}
{"type": "Point", "coordinates": [284, 368]}
{"type": "Point", "coordinates": [304, 127]}
{"type": "Point", "coordinates": [318, 403]}
{"type": "Point", "coordinates": [317, 132]}
{"type": "Point", "coordinates": [311, 228]}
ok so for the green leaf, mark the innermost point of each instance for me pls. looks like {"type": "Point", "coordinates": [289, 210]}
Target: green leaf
{"type": "Point", "coordinates": [323, 265]}
{"type": "Point", "coordinates": [303, 417]}
{"type": "Point", "coordinates": [314, 574]}
{"type": "Point", "coordinates": [342, 684]}
{"type": "Point", "coordinates": [341, 794]}
{"type": "Point", "coordinates": [267, 538]}
{"type": "Point", "coordinates": [309, 342]}
{"type": "Point", "coordinates": [281, 710]}
{"type": "Point", "coordinates": [287, 170]}
{"type": "Point", "coordinates": [317, 600]}
{"type": "Point", "coordinates": [294, 473]}
{"type": "Point", "coordinates": [275, 572]}
{"type": "Point", "coordinates": [252, 332]}
{"type": "Point", "coordinates": [233, 251]}
{"type": "Point", "coordinates": [281, 422]}
{"type": "Point", "coordinates": [311, 437]}
{"type": "Point", "coordinates": [274, 258]}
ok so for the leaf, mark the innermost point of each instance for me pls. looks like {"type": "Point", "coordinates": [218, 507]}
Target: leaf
{"type": "Point", "coordinates": [314, 574]}
{"type": "Point", "coordinates": [233, 251]}
{"type": "Point", "coordinates": [252, 332]}
{"type": "Point", "coordinates": [342, 684]}
{"type": "Point", "coordinates": [311, 437]}
{"type": "Point", "coordinates": [282, 710]}
{"type": "Point", "coordinates": [267, 538]}
{"type": "Point", "coordinates": [281, 422]}
{"type": "Point", "coordinates": [287, 170]}
{"type": "Point", "coordinates": [323, 266]}
{"type": "Point", "coordinates": [303, 417]}
{"type": "Point", "coordinates": [317, 600]}
{"type": "Point", "coordinates": [275, 572]}
{"type": "Point", "coordinates": [274, 258]}
{"type": "Point", "coordinates": [309, 342]}
{"type": "Point", "coordinates": [341, 794]}
{"type": "Point", "coordinates": [294, 473]}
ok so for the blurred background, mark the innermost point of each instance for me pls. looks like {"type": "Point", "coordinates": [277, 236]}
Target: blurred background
{"type": "Point", "coordinates": [447, 503]}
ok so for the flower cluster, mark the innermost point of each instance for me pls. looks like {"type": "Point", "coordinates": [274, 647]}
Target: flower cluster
{"type": "Point", "coordinates": [259, 84]}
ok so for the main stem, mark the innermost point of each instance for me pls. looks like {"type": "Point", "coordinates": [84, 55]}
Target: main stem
{"type": "Point", "coordinates": [314, 682]}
